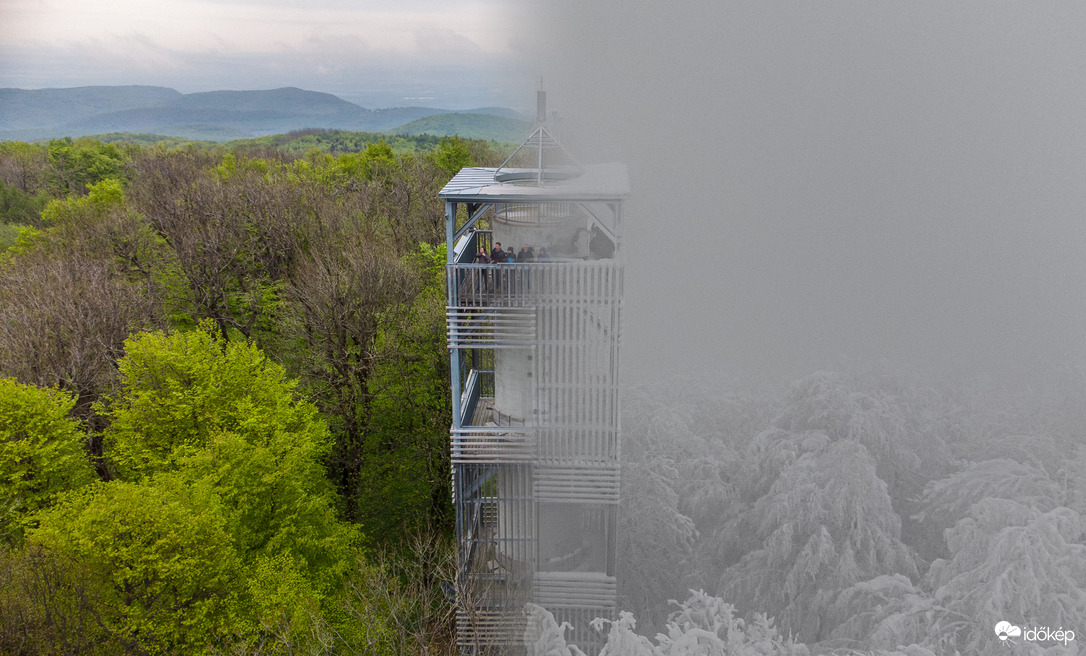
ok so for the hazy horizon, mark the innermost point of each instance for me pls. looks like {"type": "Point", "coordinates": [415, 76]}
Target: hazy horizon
{"type": "Point", "coordinates": [457, 55]}
{"type": "Point", "coordinates": [417, 101]}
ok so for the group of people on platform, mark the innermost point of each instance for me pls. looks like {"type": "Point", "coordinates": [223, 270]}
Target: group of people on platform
{"type": "Point", "coordinates": [497, 255]}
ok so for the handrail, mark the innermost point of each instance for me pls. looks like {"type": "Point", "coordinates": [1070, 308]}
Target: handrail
{"type": "Point", "coordinates": [509, 327]}
{"type": "Point", "coordinates": [494, 444]}
{"type": "Point", "coordinates": [479, 385]}
{"type": "Point", "coordinates": [528, 283]}
{"type": "Point", "coordinates": [469, 398]}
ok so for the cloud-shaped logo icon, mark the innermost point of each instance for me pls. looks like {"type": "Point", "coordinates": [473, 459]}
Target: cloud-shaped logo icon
{"type": "Point", "coordinates": [1007, 630]}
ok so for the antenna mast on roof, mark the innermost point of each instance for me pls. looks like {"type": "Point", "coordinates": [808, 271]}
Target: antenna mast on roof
{"type": "Point", "coordinates": [543, 141]}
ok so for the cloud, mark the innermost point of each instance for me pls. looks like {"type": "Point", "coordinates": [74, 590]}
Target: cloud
{"type": "Point", "coordinates": [431, 39]}
{"type": "Point", "coordinates": [208, 26]}
{"type": "Point", "coordinates": [457, 46]}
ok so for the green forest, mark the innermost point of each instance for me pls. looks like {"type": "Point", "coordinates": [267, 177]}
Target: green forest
{"type": "Point", "coordinates": [224, 400]}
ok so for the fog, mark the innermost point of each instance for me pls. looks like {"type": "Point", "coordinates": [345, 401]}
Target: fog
{"type": "Point", "coordinates": [837, 185]}
{"type": "Point", "coordinates": [824, 193]}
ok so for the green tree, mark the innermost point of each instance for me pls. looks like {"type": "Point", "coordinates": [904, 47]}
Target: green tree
{"type": "Point", "coordinates": [234, 230]}
{"type": "Point", "coordinates": [342, 296]}
{"type": "Point", "coordinates": [221, 414]}
{"type": "Point", "coordinates": [20, 207]}
{"type": "Point", "coordinates": [375, 156]}
{"type": "Point", "coordinates": [41, 447]}
{"type": "Point", "coordinates": [180, 390]}
{"type": "Point", "coordinates": [163, 576]}
{"type": "Point", "coordinates": [76, 164]}
{"type": "Point", "coordinates": [23, 166]}
{"type": "Point", "coordinates": [71, 292]}
{"type": "Point", "coordinates": [404, 487]}
{"type": "Point", "coordinates": [45, 606]}
{"type": "Point", "coordinates": [452, 154]}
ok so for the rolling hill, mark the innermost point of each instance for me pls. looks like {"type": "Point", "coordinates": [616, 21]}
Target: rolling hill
{"type": "Point", "coordinates": [470, 126]}
{"type": "Point", "coordinates": [29, 115]}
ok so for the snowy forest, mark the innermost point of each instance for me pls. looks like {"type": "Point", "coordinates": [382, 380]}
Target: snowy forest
{"type": "Point", "coordinates": [848, 514]}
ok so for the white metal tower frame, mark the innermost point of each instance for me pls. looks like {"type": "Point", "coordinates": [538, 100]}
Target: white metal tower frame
{"type": "Point", "coordinates": [536, 489]}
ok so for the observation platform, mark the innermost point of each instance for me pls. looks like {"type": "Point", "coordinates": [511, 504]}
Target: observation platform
{"type": "Point", "coordinates": [600, 182]}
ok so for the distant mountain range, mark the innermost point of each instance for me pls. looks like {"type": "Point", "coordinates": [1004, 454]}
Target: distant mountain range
{"type": "Point", "coordinates": [32, 114]}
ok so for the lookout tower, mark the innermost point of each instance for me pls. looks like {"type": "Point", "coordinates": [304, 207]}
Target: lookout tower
{"type": "Point", "coordinates": [534, 351]}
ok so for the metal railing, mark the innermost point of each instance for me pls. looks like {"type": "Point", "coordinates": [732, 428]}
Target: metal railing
{"type": "Point", "coordinates": [493, 444]}
{"type": "Point", "coordinates": [535, 214]}
{"type": "Point", "coordinates": [469, 246]}
{"type": "Point", "coordinates": [506, 327]}
{"type": "Point", "coordinates": [590, 282]}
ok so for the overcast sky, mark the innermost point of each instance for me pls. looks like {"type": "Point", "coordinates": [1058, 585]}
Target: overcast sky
{"type": "Point", "coordinates": [840, 184]}
{"type": "Point", "coordinates": [378, 53]}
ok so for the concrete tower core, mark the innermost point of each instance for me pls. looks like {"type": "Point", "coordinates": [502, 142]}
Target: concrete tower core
{"type": "Point", "coordinates": [534, 348]}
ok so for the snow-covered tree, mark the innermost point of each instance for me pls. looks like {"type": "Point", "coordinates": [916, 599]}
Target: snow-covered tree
{"type": "Point", "coordinates": [889, 423]}
{"type": "Point", "coordinates": [793, 508]}
{"type": "Point", "coordinates": [882, 613]}
{"type": "Point", "coordinates": [1011, 562]}
{"type": "Point", "coordinates": [543, 636]}
{"type": "Point", "coordinates": [947, 501]}
{"type": "Point", "coordinates": [825, 524]}
{"type": "Point", "coordinates": [702, 625]}
{"type": "Point", "coordinates": [655, 539]}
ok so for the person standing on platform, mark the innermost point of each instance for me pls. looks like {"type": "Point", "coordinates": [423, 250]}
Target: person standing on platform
{"type": "Point", "coordinates": [497, 256]}
{"type": "Point", "coordinates": [482, 276]}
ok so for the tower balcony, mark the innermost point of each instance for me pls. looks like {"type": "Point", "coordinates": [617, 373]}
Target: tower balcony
{"type": "Point", "coordinates": [534, 284]}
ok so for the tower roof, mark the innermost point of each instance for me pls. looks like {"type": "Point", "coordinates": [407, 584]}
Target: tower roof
{"type": "Point", "coordinates": [598, 182]}
{"type": "Point", "coordinates": [540, 169]}
{"type": "Point", "coordinates": [542, 159]}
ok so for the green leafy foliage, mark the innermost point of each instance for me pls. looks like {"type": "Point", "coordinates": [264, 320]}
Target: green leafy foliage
{"type": "Point", "coordinates": [9, 236]}
{"type": "Point", "coordinates": [302, 142]}
{"type": "Point", "coordinates": [74, 165]}
{"type": "Point", "coordinates": [41, 448]}
{"type": "Point", "coordinates": [20, 207]}
{"type": "Point", "coordinates": [452, 154]}
{"type": "Point", "coordinates": [864, 515]}
{"type": "Point", "coordinates": [162, 575]}
{"type": "Point", "coordinates": [23, 166]}
{"type": "Point", "coordinates": [101, 196]}
{"type": "Point", "coordinates": [410, 412]}
{"type": "Point", "coordinates": [180, 390]}
{"type": "Point", "coordinates": [219, 414]}
{"type": "Point", "coordinates": [73, 290]}
{"type": "Point", "coordinates": [326, 267]}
